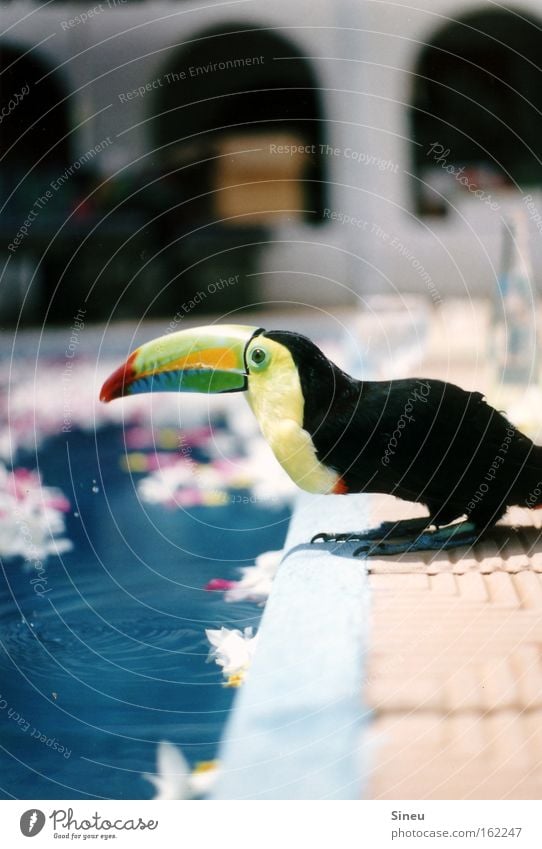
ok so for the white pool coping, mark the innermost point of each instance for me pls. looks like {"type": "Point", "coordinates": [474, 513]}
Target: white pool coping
{"type": "Point", "coordinates": [296, 728]}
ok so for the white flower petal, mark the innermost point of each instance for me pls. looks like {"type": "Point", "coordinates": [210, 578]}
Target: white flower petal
{"type": "Point", "coordinates": [257, 580]}
{"type": "Point", "coordinates": [232, 649]}
{"type": "Point", "coordinates": [31, 517]}
{"type": "Point", "coordinates": [172, 778]}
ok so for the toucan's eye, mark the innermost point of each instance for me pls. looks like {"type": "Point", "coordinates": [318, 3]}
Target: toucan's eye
{"type": "Point", "coordinates": [258, 358]}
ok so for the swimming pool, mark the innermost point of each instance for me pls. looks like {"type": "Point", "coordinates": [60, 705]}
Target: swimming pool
{"type": "Point", "coordinates": [102, 641]}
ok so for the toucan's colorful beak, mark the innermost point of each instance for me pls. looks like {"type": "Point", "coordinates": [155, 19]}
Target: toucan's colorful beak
{"type": "Point", "coordinates": [202, 359]}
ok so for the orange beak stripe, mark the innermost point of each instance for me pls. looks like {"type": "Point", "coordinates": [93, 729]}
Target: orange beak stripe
{"type": "Point", "coordinates": [216, 358]}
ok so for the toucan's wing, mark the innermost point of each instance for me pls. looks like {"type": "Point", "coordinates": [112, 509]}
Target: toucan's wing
{"type": "Point", "coordinates": [428, 441]}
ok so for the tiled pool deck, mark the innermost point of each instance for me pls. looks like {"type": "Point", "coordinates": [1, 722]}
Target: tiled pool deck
{"type": "Point", "coordinates": [455, 669]}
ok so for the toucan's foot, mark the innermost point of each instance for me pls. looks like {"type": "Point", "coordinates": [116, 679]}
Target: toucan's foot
{"type": "Point", "coordinates": [463, 533]}
{"type": "Point", "coordinates": [323, 537]}
{"type": "Point", "coordinates": [384, 531]}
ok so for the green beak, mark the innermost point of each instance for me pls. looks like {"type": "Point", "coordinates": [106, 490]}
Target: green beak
{"type": "Point", "coordinates": [202, 359]}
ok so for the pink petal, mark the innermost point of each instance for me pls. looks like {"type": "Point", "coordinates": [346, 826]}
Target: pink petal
{"type": "Point", "coordinates": [59, 503]}
{"type": "Point", "coordinates": [220, 584]}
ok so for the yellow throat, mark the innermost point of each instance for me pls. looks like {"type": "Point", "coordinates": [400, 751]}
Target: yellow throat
{"type": "Point", "coordinates": [276, 400]}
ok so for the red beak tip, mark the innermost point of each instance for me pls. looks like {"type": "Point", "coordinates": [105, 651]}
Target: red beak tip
{"type": "Point", "coordinates": [116, 384]}
{"type": "Point", "coordinates": [108, 393]}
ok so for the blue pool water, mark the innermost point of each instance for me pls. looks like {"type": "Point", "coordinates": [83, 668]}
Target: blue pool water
{"type": "Point", "coordinates": [112, 659]}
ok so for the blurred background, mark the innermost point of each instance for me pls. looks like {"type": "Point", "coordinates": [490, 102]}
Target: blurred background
{"type": "Point", "coordinates": [302, 152]}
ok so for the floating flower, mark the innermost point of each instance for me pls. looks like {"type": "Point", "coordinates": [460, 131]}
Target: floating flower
{"type": "Point", "coordinates": [220, 584]}
{"type": "Point", "coordinates": [257, 580]}
{"type": "Point", "coordinates": [39, 402]}
{"type": "Point", "coordinates": [203, 777]}
{"type": "Point", "coordinates": [138, 461]}
{"type": "Point", "coordinates": [162, 486]}
{"type": "Point", "coordinates": [233, 650]}
{"type": "Point", "coordinates": [236, 680]}
{"type": "Point", "coordinates": [31, 516]}
{"type": "Point", "coordinates": [186, 483]}
{"type": "Point", "coordinates": [174, 779]}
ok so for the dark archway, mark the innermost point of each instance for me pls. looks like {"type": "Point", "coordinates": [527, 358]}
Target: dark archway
{"type": "Point", "coordinates": [28, 97]}
{"type": "Point", "coordinates": [477, 105]}
{"type": "Point", "coordinates": [240, 81]}
{"type": "Point", "coordinates": [34, 145]}
{"type": "Point", "coordinates": [34, 151]}
{"type": "Point", "coordinates": [229, 109]}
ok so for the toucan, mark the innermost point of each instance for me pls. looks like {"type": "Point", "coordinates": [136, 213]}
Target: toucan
{"type": "Point", "coordinates": [424, 441]}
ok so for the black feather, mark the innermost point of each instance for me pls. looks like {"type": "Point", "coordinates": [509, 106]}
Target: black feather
{"type": "Point", "coordinates": [420, 440]}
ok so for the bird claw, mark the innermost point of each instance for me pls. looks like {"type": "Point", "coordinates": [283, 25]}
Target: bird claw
{"type": "Point", "coordinates": [403, 537]}
{"type": "Point", "coordinates": [323, 537]}
{"type": "Point", "coordinates": [375, 549]}
{"type": "Point", "coordinates": [439, 540]}
{"type": "Point", "coordinates": [384, 549]}
{"type": "Point", "coordinates": [386, 530]}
